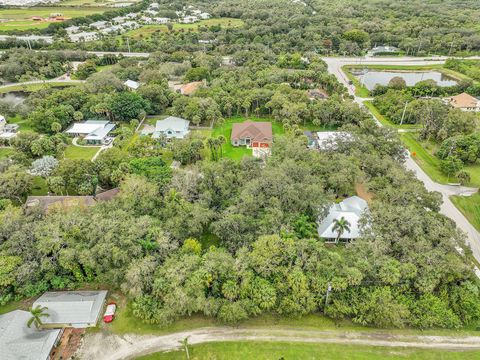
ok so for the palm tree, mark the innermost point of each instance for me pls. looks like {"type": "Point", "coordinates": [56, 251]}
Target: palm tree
{"type": "Point", "coordinates": [221, 140]}
{"type": "Point", "coordinates": [340, 226]}
{"type": "Point", "coordinates": [37, 313]}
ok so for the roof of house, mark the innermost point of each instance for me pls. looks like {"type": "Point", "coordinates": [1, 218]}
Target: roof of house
{"type": "Point", "coordinates": [326, 140]}
{"type": "Point", "coordinates": [464, 100]}
{"type": "Point", "coordinates": [72, 307]}
{"type": "Point", "coordinates": [18, 341]}
{"type": "Point", "coordinates": [190, 88]}
{"type": "Point", "coordinates": [86, 127]}
{"type": "Point", "coordinates": [48, 203]}
{"type": "Point", "coordinates": [172, 123]}
{"type": "Point", "coordinates": [351, 209]}
{"type": "Point", "coordinates": [100, 133]}
{"type": "Point", "coordinates": [132, 84]}
{"type": "Point", "coordinates": [255, 131]}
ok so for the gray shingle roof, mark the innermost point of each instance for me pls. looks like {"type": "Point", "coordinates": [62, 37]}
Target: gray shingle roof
{"type": "Point", "coordinates": [79, 308]}
{"type": "Point", "coordinates": [18, 342]}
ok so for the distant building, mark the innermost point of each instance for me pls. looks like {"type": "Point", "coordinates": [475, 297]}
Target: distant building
{"type": "Point", "coordinates": [161, 20]}
{"type": "Point", "coordinates": [77, 309]}
{"type": "Point", "coordinates": [18, 341]}
{"type": "Point", "coordinates": [130, 25]}
{"type": "Point", "coordinates": [151, 12]}
{"type": "Point", "coordinates": [171, 127]}
{"type": "Point", "coordinates": [189, 19]}
{"type": "Point", "coordinates": [464, 102]}
{"type": "Point", "coordinates": [83, 36]}
{"type": "Point", "coordinates": [255, 135]}
{"type": "Point", "coordinates": [63, 203]}
{"type": "Point", "coordinates": [119, 19]}
{"type": "Point", "coordinates": [384, 50]}
{"type": "Point", "coordinates": [189, 88]}
{"type": "Point", "coordinates": [28, 38]}
{"type": "Point", "coordinates": [94, 132]}
{"type": "Point", "coordinates": [132, 85]}
{"type": "Point", "coordinates": [351, 209]}
{"type": "Point", "coordinates": [204, 16]}
{"type": "Point", "coordinates": [327, 140]}
{"type": "Point", "coordinates": [7, 131]}
{"type": "Point", "coordinates": [72, 29]}
{"type": "Point", "coordinates": [98, 25]}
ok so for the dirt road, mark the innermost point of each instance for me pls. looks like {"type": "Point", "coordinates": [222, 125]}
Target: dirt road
{"type": "Point", "coordinates": [103, 346]}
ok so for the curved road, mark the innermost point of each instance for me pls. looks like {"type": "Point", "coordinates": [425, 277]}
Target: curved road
{"type": "Point", "coordinates": [448, 208]}
{"type": "Point", "coordinates": [114, 347]}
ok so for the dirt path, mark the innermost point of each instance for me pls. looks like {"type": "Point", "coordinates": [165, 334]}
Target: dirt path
{"type": "Point", "coordinates": [101, 346]}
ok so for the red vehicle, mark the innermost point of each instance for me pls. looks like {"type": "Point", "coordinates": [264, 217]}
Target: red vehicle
{"type": "Point", "coordinates": [110, 312]}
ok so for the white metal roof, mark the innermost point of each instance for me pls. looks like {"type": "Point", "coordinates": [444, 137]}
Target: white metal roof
{"type": "Point", "coordinates": [79, 308]}
{"type": "Point", "coordinates": [326, 139]}
{"type": "Point", "coordinates": [18, 341]}
{"type": "Point", "coordinates": [351, 209]}
{"type": "Point", "coordinates": [132, 84]}
{"type": "Point", "coordinates": [171, 124]}
{"type": "Point", "coordinates": [100, 133]}
{"type": "Point", "coordinates": [87, 127]}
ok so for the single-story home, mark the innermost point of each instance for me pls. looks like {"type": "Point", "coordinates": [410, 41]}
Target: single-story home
{"type": "Point", "coordinates": [253, 134]}
{"type": "Point", "coordinates": [49, 203]}
{"type": "Point", "coordinates": [18, 341]}
{"type": "Point", "coordinates": [190, 88]}
{"type": "Point", "coordinates": [326, 140]}
{"type": "Point", "coordinates": [132, 85]}
{"type": "Point", "coordinates": [77, 309]}
{"type": "Point", "coordinates": [464, 102]}
{"type": "Point", "coordinates": [99, 25]}
{"type": "Point", "coordinates": [381, 50]}
{"type": "Point", "coordinates": [351, 209]}
{"type": "Point", "coordinates": [172, 128]}
{"type": "Point", "coordinates": [94, 132]}
{"type": "Point", "coordinates": [83, 36]}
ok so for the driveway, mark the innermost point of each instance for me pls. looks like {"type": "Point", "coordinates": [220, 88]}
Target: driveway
{"type": "Point", "coordinates": [103, 346]}
{"type": "Point", "coordinates": [448, 208]}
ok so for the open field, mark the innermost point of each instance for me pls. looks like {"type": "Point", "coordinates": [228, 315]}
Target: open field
{"type": "Point", "coordinates": [148, 30]}
{"type": "Point", "coordinates": [287, 350]}
{"type": "Point", "coordinates": [21, 18]}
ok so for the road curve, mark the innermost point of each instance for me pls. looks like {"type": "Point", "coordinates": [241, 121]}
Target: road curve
{"type": "Point", "coordinates": [103, 346]}
{"type": "Point", "coordinates": [448, 208]}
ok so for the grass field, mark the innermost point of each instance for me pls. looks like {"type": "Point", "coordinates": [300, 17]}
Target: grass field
{"type": "Point", "coordinates": [289, 351]}
{"type": "Point", "coordinates": [4, 152]}
{"type": "Point", "coordinates": [470, 207]}
{"type": "Point", "coordinates": [35, 87]}
{"type": "Point", "coordinates": [21, 18]}
{"type": "Point", "coordinates": [39, 187]}
{"type": "Point", "coordinates": [76, 152]}
{"type": "Point", "coordinates": [148, 30]}
{"type": "Point", "coordinates": [386, 122]}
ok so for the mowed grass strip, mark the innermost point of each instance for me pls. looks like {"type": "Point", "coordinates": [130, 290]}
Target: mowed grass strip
{"type": "Point", "coordinates": [470, 207]}
{"type": "Point", "coordinates": [305, 351]}
{"type": "Point", "coordinates": [76, 152]}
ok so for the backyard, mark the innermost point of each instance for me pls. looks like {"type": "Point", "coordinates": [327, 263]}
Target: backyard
{"type": "Point", "coordinates": [77, 152]}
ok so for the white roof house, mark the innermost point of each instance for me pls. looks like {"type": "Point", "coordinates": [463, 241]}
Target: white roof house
{"type": "Point", "coordinates": [83, 36]}
{"type": "Point", "coordinates": [99, 25]}
{"type": "Point", "coordinates": [78, 309]}
{"type": "Point", "coordinates": [171, 127]}
{"type": "Point", "coordinates": [72, 29]}
{"type": "Point", "coordinates": [93, 131]}
{"type": "Point", "coordinates": [34, 38]}
{"type": "Point", "coordinates": [133, 85]}
{"type": "Point", "coordinates": [119, 19]}
{"type": "Point", "coordinates": [18, 341]}
{"type": "Point", "coordinates": [352, 210]}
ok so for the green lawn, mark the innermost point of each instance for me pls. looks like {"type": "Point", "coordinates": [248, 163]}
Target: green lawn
{"type": "Point", "coordinates": [21, 17]}
{"type": "Point", "coordinates": [304, 351]}
{"type": "Point", "coordinates": [4, 152]}
{"type": "Point", "coordinates": [470, 207]}
{"type": "Point", "coordinates": [225, 129]}
{"type": "Point", "coordinates": [148, 30]}
{"type": "Point", "coordinates": [39, 187]}
{"type": "Point", "coordinates": [76, 152]}
{"type": "Point", "coordinates": [35, 87]}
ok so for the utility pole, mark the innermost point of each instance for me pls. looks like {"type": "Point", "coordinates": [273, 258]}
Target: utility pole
{"type": "Point", "coordinates": [128, 45]}
{"type": "Point", "coordinates": [329, 289]}
{"type": "Point", "coordinates": [403, 114]}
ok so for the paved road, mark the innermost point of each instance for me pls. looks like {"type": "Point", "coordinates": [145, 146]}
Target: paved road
{"type": "Point", "coordinates": [447, 208]}
{"type": "Point", "coordinates": [114, 347]}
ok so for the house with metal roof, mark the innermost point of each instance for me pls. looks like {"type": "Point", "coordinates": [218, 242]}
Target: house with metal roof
{"type": "Point", "coordinates": [132, 85]}
{"type": "Point", "coordinates": [77, 309]}
{"type": "Point", "coordinates": [351, 209]}
{"type": "Point", "coordinates": [172, 128]}
{"type": "Point", "coordinates": [94, 132]}
{"type": "Point", "coordinates": [18, 341]}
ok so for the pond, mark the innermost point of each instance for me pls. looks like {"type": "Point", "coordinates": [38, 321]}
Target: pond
{"type": "Point", "coordinates": [374, 77]}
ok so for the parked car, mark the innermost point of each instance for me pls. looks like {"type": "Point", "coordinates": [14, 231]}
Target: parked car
{"type": "Point", "coordinates": [110, 312]}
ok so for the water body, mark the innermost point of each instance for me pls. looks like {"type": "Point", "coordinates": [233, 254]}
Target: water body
{"type": "Point", "coordinates": [374, 77]}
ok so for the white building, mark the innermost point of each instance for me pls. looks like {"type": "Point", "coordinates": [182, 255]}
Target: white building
{"type": "Point", "coordinates": [83, 36]}
{"type": "Point", "coordinates": [171, 127]}
{"type": "Point", "coordinates": [154, 6]}
{"type": "Point", "coordinates": [189, 19]}
{"type": "Point", "coordinates": [131, 25]}
{"type": "Point", "coordinates": [28, 38]}
{"type": "Point", "coordinates": [72, 29]}
{"type": "Point", "coordinates": [18, 341]}
{"type": "Point", "coordinates": [327, 140]}
{"type": "Point", "coordinates": [112, 30]}
{"type": "Point", "coordinates": [147, 20]}
{"type": "Point", "coordinates": [94, 132]}
{"type": "Point", "coordinates": [99, 25]}
{"type": "Point", "coordinates": [119, 19]}
{"type": "Point", "coordinates": [78, 309]}
{"type": "Point", "coordinates": [160, 20]}
{"type": "Point", "coordinates": [351, 209]}
{"type": "Point", "coordinates": [132, 85]}
{"type": "Point", "coordinates": [204, 16]}
{"type": "Point", "coordinates": [151, 12]}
